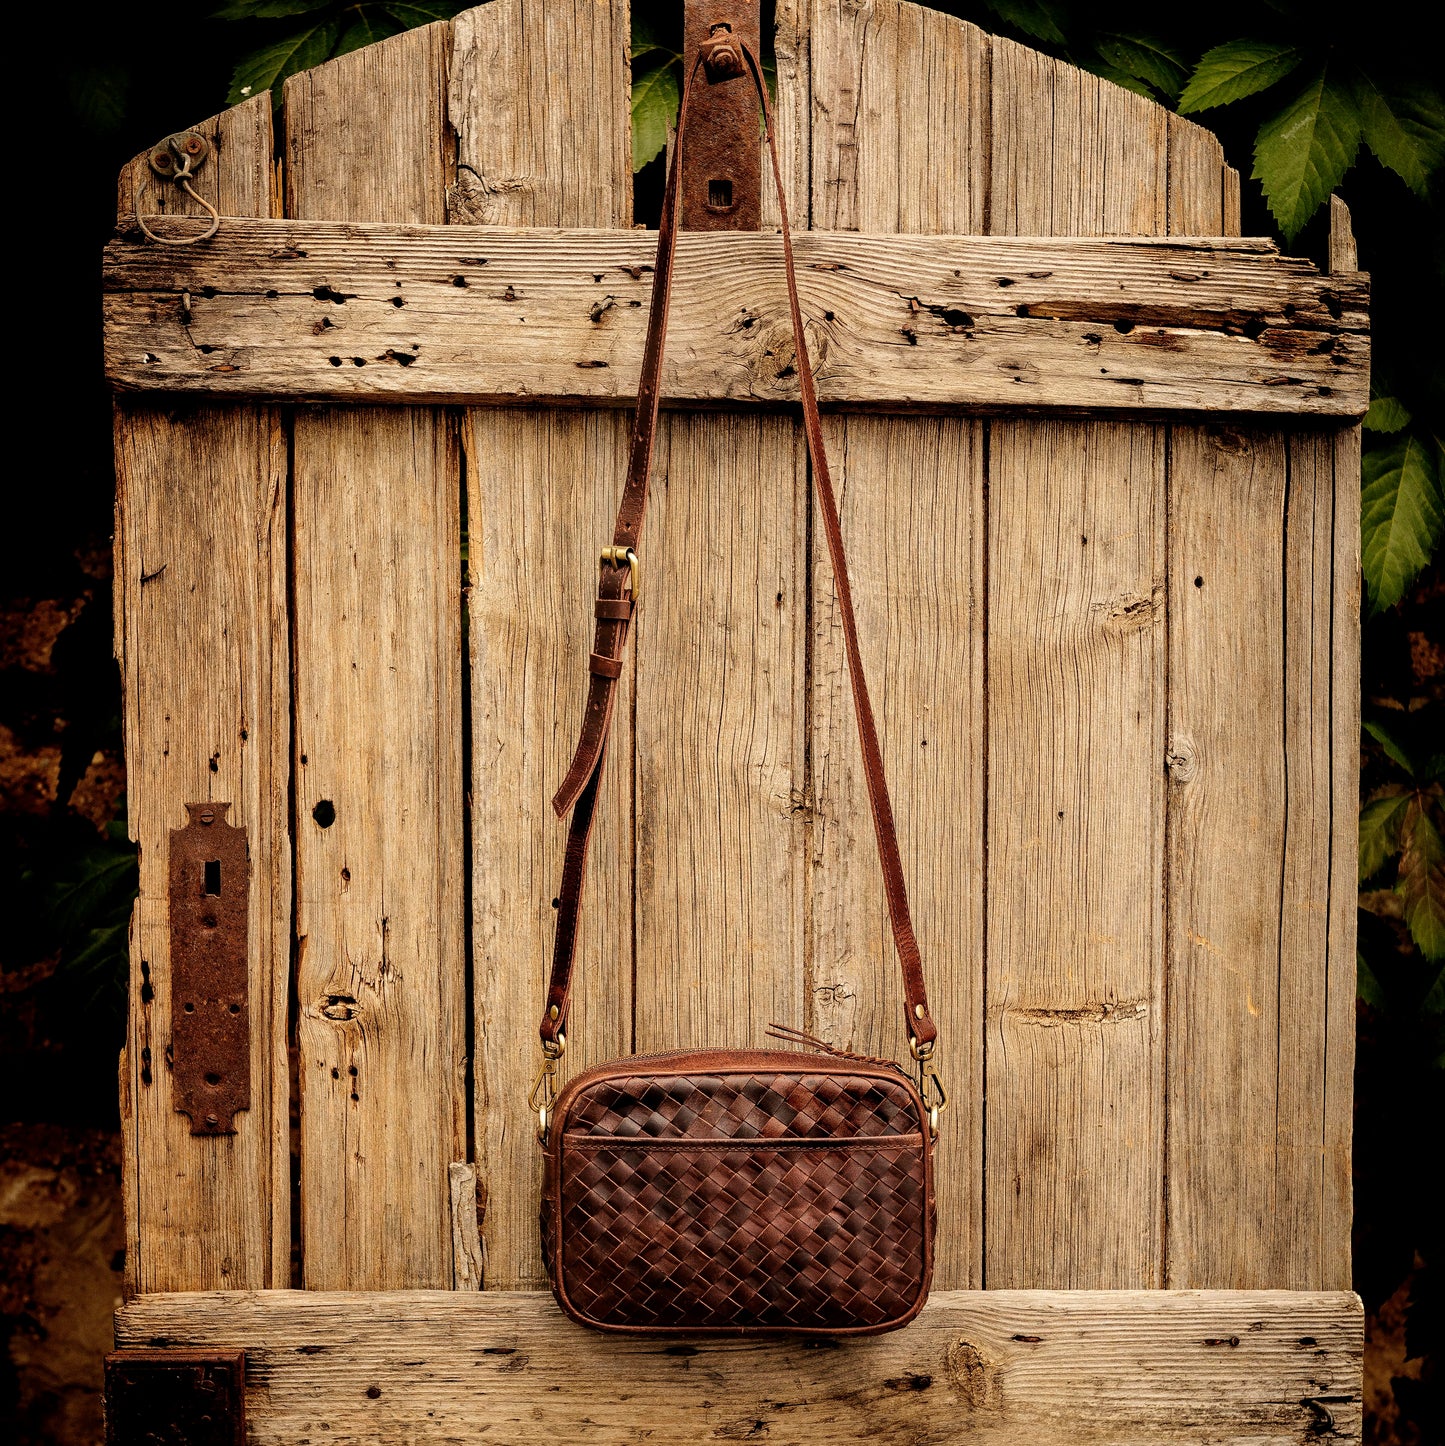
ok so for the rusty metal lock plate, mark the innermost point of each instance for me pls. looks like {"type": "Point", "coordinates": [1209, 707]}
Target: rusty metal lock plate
{"type": "Point", "coordinates": [175, 1398]}
{"type": "Point", "coordinates": [722, 162]}
{"type": "Point", "coordinates": [210, 877]}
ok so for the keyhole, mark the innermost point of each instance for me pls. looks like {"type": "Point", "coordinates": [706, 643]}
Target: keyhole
{"type": "Point", "coordinates": [720, 193]}
{"type": "Point", "coordinates": [213, 876]}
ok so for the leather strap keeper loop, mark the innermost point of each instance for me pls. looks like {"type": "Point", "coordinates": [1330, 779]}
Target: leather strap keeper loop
{"type": "Point", "coordinates": [605, 667]}
{"type": "Point", "coordinates": [613, 608]}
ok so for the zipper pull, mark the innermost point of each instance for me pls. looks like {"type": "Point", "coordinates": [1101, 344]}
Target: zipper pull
{"type": "Point", "coordinates": [789, 1035]}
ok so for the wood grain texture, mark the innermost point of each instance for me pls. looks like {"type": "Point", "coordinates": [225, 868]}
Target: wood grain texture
{"type": "Point", "coordinates": [792, 114]}
{"type": "Point", "coordinates": [201, 637]}
{"type": "Point", "coordinates": [1344, 257]}
{"type": "Point", "coordinates": [540, 101]}
{"type": "Point", "coordinates": [1075, 841]}
{"type": "Point", "coordinates": [886, 159]}
{"type": "Point", "coordinates": [1196, 180]}
{"type": "Point", "coordinates": [1340, 987]}
{"type": "Point", "coordinates": [899, 119]}
{"type": "Point", "coordinates": [539, 105]}
{"type": "Point", "coordinates": [379, 806]}
{"type": "Point", "coordinates": [1253, 780]}
{"type": "Point", "coordinates": [720, 737]}
{"type": "Point", "coordinates": [355, 312]}
{"type": "Point", "coordinates": [1002, 1368]}
{"type": "Point", "coordinates": [1075, 1046]}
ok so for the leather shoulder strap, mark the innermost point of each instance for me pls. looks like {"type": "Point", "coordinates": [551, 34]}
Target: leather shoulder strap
{"type": "Point", "coordinates": [723, 57]}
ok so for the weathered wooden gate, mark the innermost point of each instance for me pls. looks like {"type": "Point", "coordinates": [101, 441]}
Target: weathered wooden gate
{"type": "Point", "coordinates": [1098, 465]}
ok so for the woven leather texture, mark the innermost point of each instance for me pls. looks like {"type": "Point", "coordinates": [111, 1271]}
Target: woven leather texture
{"type": "Point", "coordinates": [734, 1201]}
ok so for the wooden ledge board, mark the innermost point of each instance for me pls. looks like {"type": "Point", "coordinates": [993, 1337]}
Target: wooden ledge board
{"type": "Point", "coordinates": [323, 312]}
{"type": "Point", "coordinates": [998, 1367]}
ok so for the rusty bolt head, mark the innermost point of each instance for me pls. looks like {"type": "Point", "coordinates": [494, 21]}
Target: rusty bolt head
{"type": "Point", "coordinates": [723, 59]}
{"type": "Point", "coordinates": [209, 816]}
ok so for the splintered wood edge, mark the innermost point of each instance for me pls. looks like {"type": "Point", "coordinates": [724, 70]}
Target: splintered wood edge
{"type": "Point", "coordinates": [348, 312]}
{"type": "Point", "coordinates": [1256, 1366]}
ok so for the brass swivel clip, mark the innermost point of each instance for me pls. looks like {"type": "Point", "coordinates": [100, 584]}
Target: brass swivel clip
{"type": "Point", "coordinates": [935, 1097]}
{"type": "Point", "coordinates": [544, 1087]}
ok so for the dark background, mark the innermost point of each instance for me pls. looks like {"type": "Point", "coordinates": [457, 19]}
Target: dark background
{"type": "Point", "coordinates": [103, 86]}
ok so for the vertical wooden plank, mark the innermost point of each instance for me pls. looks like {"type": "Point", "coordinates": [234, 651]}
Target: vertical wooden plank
{"type": "Point", "coordinates": [720, 734]}
{"type": "Point", "coordinates": [541, 105]}
{"type": "Point", "coordinates": [1076, 708]}
{"type": "Point", "coordinates": [1196, 180]}
{"type": "Point", "coordinates": [1074, 989]}
{"type": "Point", "coordinates": [201, 637]}
{"type": "Point", "coordinates": [540, 102]}
{"type": "Point", "coordinates": [1261, 941]}
{"type": "Point", "coordinates": [792, 113]}
{"type": "Point", "coordinates": [379, 803]}
{"type": "Point", "coordinates": [1227, 763]}
{"type": "Point", "coordinates": [1337, 1205]}
{"type": "Point", "coordinates": [900, 115]}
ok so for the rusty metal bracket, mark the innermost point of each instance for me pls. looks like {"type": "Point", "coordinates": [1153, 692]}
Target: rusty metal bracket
{"type": "Point", "coordinates": [210, 876]}
{"type": "Point", "coordinates": [722, 162]}
{"type": "Point", "coordinates": [175, 1398]}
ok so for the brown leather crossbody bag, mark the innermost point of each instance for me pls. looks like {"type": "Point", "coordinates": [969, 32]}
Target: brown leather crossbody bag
{"type": "Point", "coordinates": [727, 1191]}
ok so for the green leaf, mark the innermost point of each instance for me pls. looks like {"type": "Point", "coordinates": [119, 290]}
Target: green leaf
{"type": "Point", "coordinates": [1123, 79]}
{"type": "Point", "coordinates": [268, 9]}
{"type": "Point", "coordinates": [1422, 881]}
{"type": "Point", "coordinates": [1037, 18]}
{"type": "Point", "coordinates": [371, 24]}
{"type": "Point", "coordinates": [1401, 516]}
{"type": "Point", "coordinates": [1367, 986]}
{"type": "Point", "coordinates": [98, 95]}
{"type": "Point", "coordinates": [265, 69]}
{"type": "Point", "coordinates": [1406, 131]}
{"type": "Point", "coordinates": [1380, 823]}
{"type": "Point", "coordinates": [1388, 738]}
{"type": "Point", "coordinates": [1304, 150]}
{"type": "Point", "coordinates": [410, 13]}
{"type": "Point", "coordinates": [1386, 414]}
{"type": "Point", "coordinates": [654, 108]}
{"type": "Point", "coordinates": [1230, 72]}
{"type": "Point", "coordinates": [1145, 58]}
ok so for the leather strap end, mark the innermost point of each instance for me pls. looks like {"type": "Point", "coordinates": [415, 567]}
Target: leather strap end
{"type": "Point", "coordinates": [924, 1030]}
{"type": "Point", "coordinates": [604, 666]}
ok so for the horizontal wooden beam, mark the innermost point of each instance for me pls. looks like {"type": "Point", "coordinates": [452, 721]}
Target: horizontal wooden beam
{"type": "Point", "coordinates": [309, 311]}
{"type": "Point", "coordinates": [1005, 1368]}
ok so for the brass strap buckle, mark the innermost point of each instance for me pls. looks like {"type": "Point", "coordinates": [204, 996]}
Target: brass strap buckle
{"type": "Point", "coordinates": [935, 1097]}
{"type": "Point", "coordinates": [625, 557]}
{"type": "Point", "coordinates": [544, 1087]}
